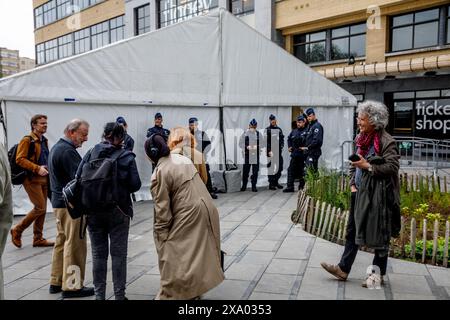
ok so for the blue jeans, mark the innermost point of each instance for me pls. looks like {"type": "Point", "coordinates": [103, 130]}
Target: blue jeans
{"type": "Point", "coordinates": [114, 225]}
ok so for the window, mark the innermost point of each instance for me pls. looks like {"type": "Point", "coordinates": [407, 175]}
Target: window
{"type": "Point", "coordinates": [63, 8]}
{"type": "Point", "coordinates": [100, 35]}
{"type": "Point", "coordinates": [331, 44]}
{"type": "Point", "coordinates": [38, 17]}
{"type": "Point", "coordinates": [448, 24]}
{"type": "Point", "coordinates": [117, 29]}
{"type": "Point", "coordinates": [40, 53]}
{"type": "Point", "coordinates": [310, 47]}
{"type": "Point", "coordinates": [51, 50]}
{"type": "Point", "coordinates": [239, 7]}
{"type": "Point", "coordinates": [80, 4]}
{"type": "Point", "coordinates": [142, 18]}
{"type": "Point", "coordinates": [49, 10]}
{"type": "Point", "coordinates": [172, 11]}
{"type": "Point", "coordinates": [348, 41]}
{"type": "Point", "coordinates": [415, 30]}
{"type": "Point", "coordinates": [65, 48]}
{"type": "Point", "coordinates": [82, 41]}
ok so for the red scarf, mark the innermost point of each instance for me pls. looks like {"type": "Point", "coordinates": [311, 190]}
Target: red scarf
{"type": "Point", "coordinates": [364, 141]}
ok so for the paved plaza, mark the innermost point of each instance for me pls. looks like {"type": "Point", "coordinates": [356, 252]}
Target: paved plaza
{"type": "Point", "coordinates": [267, 258]}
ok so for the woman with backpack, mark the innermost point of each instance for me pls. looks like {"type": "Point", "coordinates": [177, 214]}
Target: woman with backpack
{"type": "Point", "coordinates": [109, 217]}
{"type": "Point", "coordinates": [186, 225]}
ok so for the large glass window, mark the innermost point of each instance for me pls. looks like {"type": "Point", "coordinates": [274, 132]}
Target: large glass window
{"type": "Point", "coordinates": [117, 29]}
{"type": "Point", "coordinates": [239, 7]}
{"type": "Point", "coordinates": [331, 44]}
{"type": "Point", "coordinates": [82, 41]}
{"type": "Point", "coordinates": [310, 47]}
{"type": "Point", "coordinates": [100, 35]}
{"type": "Point", "coordinates": [415, 30]}
{"type": "Point", "coordinates": [448, 24]}
{"type": "Point", "coordinates": [51, 50]}
{"type": "Point", "coordinates": [172, 11]}
{"type": "Point", "coordinates": [80, 4]}
{"type": "Point", "coordinates": [348, 41]}
{"type": "Point", "coordinates": [40, 53]}
{"type": "Point", "coordinates": [63, 8]}
{"type": "Point", "coordinates": [49, 10]}
{"type": "Point", "coordinates": [142, 18]}
{"type": "Point", "coordinates": [38, 17]}
{"type": "Point", "coordinates": [65, 47]}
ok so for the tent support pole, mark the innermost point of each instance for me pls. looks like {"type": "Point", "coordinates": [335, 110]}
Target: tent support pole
{"type": "Point", "coordinates": [221, 166]}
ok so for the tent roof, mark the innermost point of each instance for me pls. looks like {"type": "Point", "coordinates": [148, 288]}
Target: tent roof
{"type": "Point", "coordinates": [211, 60]}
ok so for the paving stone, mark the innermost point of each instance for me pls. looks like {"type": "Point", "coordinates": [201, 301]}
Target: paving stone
{"type": "Point", "coordinates": [12, 274]}
{"type": "Point", "coordinates": [144, 285]}
{"type": "Point", "coordinates": [246, 230]}
{"type": "Point", "coordinates": [257, 257]}
{"type": "Point", "coordinates": [140, 297]}
{"type": "Point", "coordinates": [41, 294]}
{"type": "Point", "coordinates": [405, 267]}
{"type": "Point", "coordinates": [285, 266]}
{"type": "Point", "coordinates": [268, 296]}
{"type": "Point", "coordinates": [22, 287]}
{"type": "Point", "coordinates": [276, 283]}
{"type": "Point", "coordinates": [294, 249]}
{"type": "Point", "coordinates": [401, 283]}
{"type": "Point", "coordinates": [409, 296]}
{"type": "Point", "coordinates": [316, 284]}
{"type": "Point", "coordinates": [354, 291]}
{"type": "Point", "coordinates": [228, 290]}
{"type": "Point", "coordinates": [270, 235]}
{"type": "Point", "coordinates": [243, 271]}
{"type": "Point", "coordinates": [263, 245]}
{"type": "Point", "coordinates": [441, 276]}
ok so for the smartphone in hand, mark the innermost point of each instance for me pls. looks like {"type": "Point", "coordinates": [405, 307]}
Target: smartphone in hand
{"type": "Point", "coordinates": [354, 157]}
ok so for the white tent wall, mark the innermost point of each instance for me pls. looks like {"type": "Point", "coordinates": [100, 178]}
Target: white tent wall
{"type": "Point", "coordinates": [257, 72]}
{"type": "Point", "coordinates": [139, 119]}
{"type": "Point", "coordinates": [236, 121]}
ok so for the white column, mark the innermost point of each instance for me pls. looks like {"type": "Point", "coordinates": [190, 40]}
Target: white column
{"type": "Point", "coordinates": [264, 17]}
{"type": "Point", "coordinates": [224, 4]}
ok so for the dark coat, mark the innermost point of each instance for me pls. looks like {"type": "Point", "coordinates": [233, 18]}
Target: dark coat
{"type": "Point", "coordinates": [63, 163]}
{"type": "Point", "coordinates": [314, 139]}
{"type": "Point", "coordinates": [158, 130]}
{"type": "Point", "coordinates": [128, 142]}
{"type": "Point", "coordinates": [127, 173]}
{"type": "Point", "coordinates": [377, 205]}
{"type": "Point", "coordinates": [297, 139]}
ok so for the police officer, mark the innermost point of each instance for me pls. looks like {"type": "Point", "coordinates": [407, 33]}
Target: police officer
{"type": "Point", "coordinates": [275, 145]}
{"type": "Point", "coordinates": [314, 141]}
{"type": "Point", "coordinates": [296, 143]}
{"type": "Point", "coordinates": [128, 141]}
{"type": "Point", "coordinates": [158, 128]}
{"type": "Point", "coordinates": [204, 146]}
{"type": "Point", "coordinates": [250, 142]}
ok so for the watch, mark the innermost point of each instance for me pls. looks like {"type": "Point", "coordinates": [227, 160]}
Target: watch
{"type": "Point", "coordinates": [370, 168]}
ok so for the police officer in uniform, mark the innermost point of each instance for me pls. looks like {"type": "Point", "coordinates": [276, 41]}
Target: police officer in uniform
{"type": "Point", "coordinates": [204, 146]}
{"type": "Point", "coordinates": [314, 141]}
{"type": "Point", "coordinates": [296, 143]}
{"type": "Point", "coordinates": [250, 142]}
{"type": "Point", "coordinates": [275, 145]}
{"type": "Point", "coordinates": [158, 128]}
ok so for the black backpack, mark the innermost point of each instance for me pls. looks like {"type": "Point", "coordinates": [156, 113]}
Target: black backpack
{"type": "Point", "coordinates": [18, 174]}
{"type": "Point", "coordinates": [98, 183]}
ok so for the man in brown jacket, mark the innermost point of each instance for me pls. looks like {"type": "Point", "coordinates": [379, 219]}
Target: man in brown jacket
{"type": "Point", "coordinates": [36, 183]}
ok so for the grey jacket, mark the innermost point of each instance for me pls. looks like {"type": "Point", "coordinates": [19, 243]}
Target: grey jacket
{"type": "Point", "coordinates": [6, 210]}
{"type": "Point", "coordinates": [377, 205]}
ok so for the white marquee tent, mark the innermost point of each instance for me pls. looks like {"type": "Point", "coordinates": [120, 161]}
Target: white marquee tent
{"type": "Point", "coordinates": [214, 67]}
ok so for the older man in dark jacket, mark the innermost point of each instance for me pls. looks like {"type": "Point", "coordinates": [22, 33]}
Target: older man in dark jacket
{"type": "Point", "coordinates": [378, 164]}
{"type": "Point", "coordinates": [69, 253]}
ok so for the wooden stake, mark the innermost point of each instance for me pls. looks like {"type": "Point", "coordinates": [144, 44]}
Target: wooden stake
{"type": "Point", "coordinates": [325, 224]}
{"type": "Point", "coordinates": [424, 239]}
{"type": "Point", "coordinates": [447, 232]}
{"type": "Point", "coordinates": [413, 238]}
{"type": "Point", "coordinates": [435, 241]}
{"type": "Point", "coordinates": [322, 216]}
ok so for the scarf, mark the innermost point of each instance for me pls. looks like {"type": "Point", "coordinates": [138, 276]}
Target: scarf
{"type": "Point", "coordinates": [364, 141]}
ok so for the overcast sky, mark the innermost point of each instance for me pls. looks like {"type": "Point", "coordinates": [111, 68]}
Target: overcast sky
{"type": "Point", "coordinates": [17, 26]}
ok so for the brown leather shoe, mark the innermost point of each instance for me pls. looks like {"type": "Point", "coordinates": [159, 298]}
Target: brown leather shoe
{"type": "Point", "coordinates": [43, 243]}
{"type": "Point", "coordinates": [335, 270]}
{"type": "Point", "coordinates": [16, 238]}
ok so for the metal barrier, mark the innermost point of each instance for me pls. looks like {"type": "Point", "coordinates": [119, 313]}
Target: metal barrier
{"type": "Point", "coordinates": [414, 152]}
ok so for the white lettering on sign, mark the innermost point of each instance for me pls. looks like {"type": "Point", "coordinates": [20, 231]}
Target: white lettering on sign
{"type": "Point", "coordinates": [432, 116]}
{"type": "Point", "coordinates": [185, 10]}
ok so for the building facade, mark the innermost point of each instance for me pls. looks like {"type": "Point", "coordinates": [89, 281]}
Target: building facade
{"type": "Point", "coordinates": [26, 64]}
{"type": "Point", "coordinates": [394, 51]}
{"type": "Point", "coordinates": [9, 62]}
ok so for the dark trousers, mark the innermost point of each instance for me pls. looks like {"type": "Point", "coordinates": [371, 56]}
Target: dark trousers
{"type": "Point", "coordinates": [246, 172]}
{"type": "Point", "coordinates": [275, 167]}
{"type": "Point", "coordinates": [114, 225]}
{"type": "Point", "coordinates": [209, 182]}
{"type": "Point", "coordinates": [296, 170]}
{"type": "Point", "coordinates": [312, 162]}
{"type": "Point", "coordinates": [351, 248]}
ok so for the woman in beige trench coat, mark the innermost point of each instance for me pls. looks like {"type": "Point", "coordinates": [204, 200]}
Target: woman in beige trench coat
{"type": "Point", "coordinates": [186, 225]}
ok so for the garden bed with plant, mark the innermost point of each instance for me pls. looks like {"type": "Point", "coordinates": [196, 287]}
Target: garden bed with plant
{"type": "Point", "coordinates": [425, 207]}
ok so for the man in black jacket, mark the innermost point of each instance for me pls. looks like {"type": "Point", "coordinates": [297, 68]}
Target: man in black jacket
{"type": "Point", "coordinates": [275, 145]}
{"type": "Point", "coordinates": [314, 141]}
{"type": "Point", "coordinates": [69, 252]}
